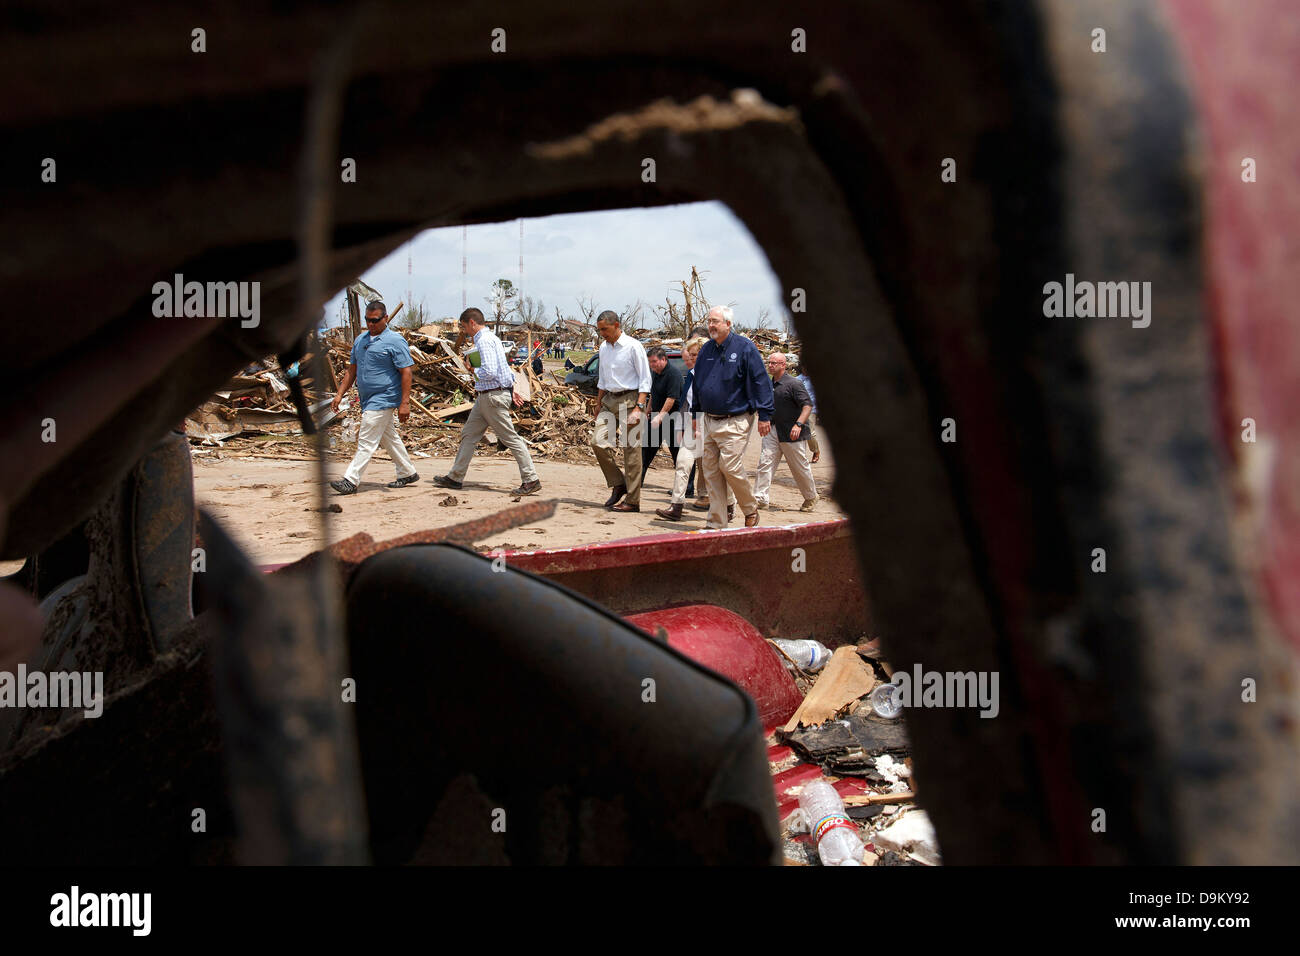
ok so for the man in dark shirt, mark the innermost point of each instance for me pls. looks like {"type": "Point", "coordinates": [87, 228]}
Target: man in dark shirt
{"type": "Point", "coordinates": [731, 386]}
{"type": "Point", "coordinates": [666, 388]}
{"type": "Point", "coordinates": [788, 438]}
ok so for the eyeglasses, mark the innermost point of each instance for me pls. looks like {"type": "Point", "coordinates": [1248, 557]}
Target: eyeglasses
{"type": "Point", "coordinates": [378, 318]}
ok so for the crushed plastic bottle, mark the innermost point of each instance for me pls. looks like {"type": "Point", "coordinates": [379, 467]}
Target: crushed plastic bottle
{"type": "Point", "coordinates": [885, 700]}
{"type": "Point", "coordinates": [838, 843]}
{"type": "Point", "coordinates": [811, 656]}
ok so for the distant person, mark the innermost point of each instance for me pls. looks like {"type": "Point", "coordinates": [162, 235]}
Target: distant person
{"type": "Point", "coordinates": [665, 397]}
{"type": "Point", "coordinates": [731, 387]}
{"type": "Point", "coordinates": [381, 366]}
{"type": "Point", "coordinates": [494, 396]}
{"type": "Point", "coordinates": [537, 359]}
{"type": "Point", "coordinates": [622, 391]}
{"type": "Point", "coordinates": [792, 361]}
{"type": "Point", "coordinates": [788, 438]}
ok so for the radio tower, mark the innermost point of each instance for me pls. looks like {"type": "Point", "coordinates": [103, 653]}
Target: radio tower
{"type": "Point", "coordinates": [464, 259]}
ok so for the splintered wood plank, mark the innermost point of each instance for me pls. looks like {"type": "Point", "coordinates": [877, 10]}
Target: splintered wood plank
{"type": "Point", "coordinates": [523, 387]}
{"type": "Point", "coordinates": [846, 678]}
{"type": "Point", "coordinates": [451, 410]}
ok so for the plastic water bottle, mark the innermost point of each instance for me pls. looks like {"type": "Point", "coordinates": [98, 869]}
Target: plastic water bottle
{"type": "Point", "coordinates": [838, 843]}
{"type": "Point", "coordinates": [809, 655]}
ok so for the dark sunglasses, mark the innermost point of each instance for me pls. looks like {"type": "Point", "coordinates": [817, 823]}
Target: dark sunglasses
{"type": "Point", "coordinates": [378, 318]}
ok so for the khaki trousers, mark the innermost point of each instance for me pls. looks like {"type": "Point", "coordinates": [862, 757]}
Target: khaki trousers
{"type": "Point", "coordinates": [617, 447]}
{"type": "Point", "coordinates": [492, 410]}
{"type": "Point", "coordinates": [797, 456]}
{"type": "Point", "coordinates": [379, 428]}
{"type": "Point", "coordinates": [722, 461]}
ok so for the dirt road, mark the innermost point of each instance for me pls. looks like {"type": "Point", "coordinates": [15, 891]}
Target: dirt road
{"type": "Point", "coordinates": [266, 503]}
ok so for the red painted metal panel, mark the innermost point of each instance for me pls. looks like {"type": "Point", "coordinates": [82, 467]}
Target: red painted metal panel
{"type": "Point", "coordinates": [795, 581]}
{"type": "Point", "coordinates": [725, 642]}
{"type": "Point", "coordinates": [1240, 55]}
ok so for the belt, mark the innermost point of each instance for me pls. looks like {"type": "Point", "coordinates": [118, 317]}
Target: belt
{"type": "Point", "coordinates": [499, 388]}
{"type": "Point", "coordinates": [718, 418]}
{"type": "Point", "coordinates": [625, 391]}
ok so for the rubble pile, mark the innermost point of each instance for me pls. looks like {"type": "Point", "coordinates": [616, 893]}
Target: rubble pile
{"type": "Point", "coordinates": [254, 412]}
{"type": "Point", "coordinates": [846, 731]}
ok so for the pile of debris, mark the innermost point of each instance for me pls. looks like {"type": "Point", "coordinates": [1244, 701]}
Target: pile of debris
{"type": "Point", "coordinates": [256, 411]}
{"type": "Point", "coordinates": [846, 733]}
{"type": "Point", "coordinates": [256, 402]}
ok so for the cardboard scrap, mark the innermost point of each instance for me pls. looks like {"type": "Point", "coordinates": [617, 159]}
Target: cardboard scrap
{"type": "Point", "coordinates": [846, 678]}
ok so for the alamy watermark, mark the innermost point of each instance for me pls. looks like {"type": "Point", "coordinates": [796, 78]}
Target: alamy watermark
{"type": "Point", "coordinates": [1102, 300]}
{"type": "Point", "coordinates": [209, 300]}
{"type": "Point", "coordinates": [37, 689]}
{"type": "Point", "coordinates": [74, 908]}
{"type": "Point", "coordinates": [922, 688]}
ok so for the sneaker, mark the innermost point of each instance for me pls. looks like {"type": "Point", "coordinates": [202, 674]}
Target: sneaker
{"type": "Point", "coordinates": [403, 482]}
{"type": "Point", "coordinates": [442, 481]}
{"type": "Point", "coordinates": [809, 504]}
{"type": "Point", "coordinates": [343, 486]}
{"type": "Point", "coordinates": [528, 488]}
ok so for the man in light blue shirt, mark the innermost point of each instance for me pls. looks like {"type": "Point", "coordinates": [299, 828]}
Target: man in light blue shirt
{"type": "Point", "coordinates": [494, 395]}
{"type": "Point", "coordinates": [381, 366]}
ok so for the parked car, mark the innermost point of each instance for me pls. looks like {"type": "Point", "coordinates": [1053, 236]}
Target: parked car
{"type": "Point", "coordinates": [584, 377]}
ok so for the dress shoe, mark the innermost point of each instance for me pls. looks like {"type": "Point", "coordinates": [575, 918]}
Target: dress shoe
{"type": "Point", "coordinates": [614, 496]}
{"type": "Point", "coordinates": [672, 512]}
{"type": "Point", "coordinates": [442, 481]}
{"type": "Point", "coordinates": [623, 506]}
{"type": "Point", "coordinates": [751, 521]}
{"type": "Point", "coordinates": [528, 488]}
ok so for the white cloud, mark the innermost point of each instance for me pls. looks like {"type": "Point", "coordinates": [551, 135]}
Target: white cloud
{"type": "Point", "coordinates": [615, 256]}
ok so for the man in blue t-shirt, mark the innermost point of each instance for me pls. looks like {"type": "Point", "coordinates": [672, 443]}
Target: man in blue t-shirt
{"type": "Point", "coordinates": [381, 366]}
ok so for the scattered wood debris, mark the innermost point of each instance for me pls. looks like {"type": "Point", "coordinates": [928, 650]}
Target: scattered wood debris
{"type": "Point", "coordinates": [253, 413]}
{"type": "Point", "coordinates": [846, 678]}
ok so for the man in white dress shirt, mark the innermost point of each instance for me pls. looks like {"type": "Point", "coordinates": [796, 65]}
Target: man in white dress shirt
{"type": "Point", "coordinates": [622, 390]}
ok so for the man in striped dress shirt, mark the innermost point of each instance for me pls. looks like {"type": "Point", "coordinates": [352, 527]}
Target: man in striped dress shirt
{"type": "Point", "coordinates": [494, 396]}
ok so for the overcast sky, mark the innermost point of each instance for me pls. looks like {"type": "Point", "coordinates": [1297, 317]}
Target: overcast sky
{"type": "Point", "coordinates": [616, 256]}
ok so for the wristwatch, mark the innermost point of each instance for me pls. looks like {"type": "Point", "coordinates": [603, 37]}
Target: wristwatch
{"type": "Point", "coordinates": [641, 405]}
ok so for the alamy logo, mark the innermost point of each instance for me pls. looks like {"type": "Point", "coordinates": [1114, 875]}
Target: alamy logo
{"type": "Point", "coordinates": [57, 689]}
{"type": "Point", "coordinates": [1103, 300]}
{"type": "Point", "coordinates": [210, 300]}
{"type": "Point", "coordinates": [103, 909]}
{"type": "Point", "coordinates": [923, 688]}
